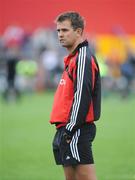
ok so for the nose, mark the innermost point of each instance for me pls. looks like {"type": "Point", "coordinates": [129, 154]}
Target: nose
{"type": "Point", "coordinates": [60, 34]}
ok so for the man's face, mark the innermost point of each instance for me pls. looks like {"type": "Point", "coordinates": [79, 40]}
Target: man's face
{"type": "Point", "coordinates": [66, 34]}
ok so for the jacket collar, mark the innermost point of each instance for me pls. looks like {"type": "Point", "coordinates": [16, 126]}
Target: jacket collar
{"type": "Point", "coordinates": [84, 43]}
{"type": "Point", "coordinates": [67, 58]}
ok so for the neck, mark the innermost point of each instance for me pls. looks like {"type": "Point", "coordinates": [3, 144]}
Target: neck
{"type": "Point", "coordinates": [72, 48]}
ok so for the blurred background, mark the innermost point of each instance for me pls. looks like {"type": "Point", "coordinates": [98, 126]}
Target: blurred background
{"type": "Point", "coordinates": [31, 63]}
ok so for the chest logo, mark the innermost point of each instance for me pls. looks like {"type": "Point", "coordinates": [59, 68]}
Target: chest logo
{"type": "Point", "coordinates": [62, 82]}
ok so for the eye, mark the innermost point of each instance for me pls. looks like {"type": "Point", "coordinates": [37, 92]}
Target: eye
{"type": "Point", "coordinates": [64, 30]}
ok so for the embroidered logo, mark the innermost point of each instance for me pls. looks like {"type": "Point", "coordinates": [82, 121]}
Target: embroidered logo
{"type": "Point", "coordinates": [62, 82]}
{"type": "Point", "coordinates": [68, 157]}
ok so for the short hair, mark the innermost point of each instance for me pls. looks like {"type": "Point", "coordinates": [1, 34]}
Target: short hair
{"type": "Point", "coordinates": [77, 21]}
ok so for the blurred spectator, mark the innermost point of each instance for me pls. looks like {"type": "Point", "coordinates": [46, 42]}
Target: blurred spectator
{"type": "Point", "coordinates": [128, 72]}
{"type": "Point", "coordinates": [26, 71]}
{"type": "Point", "coordinates": [11, 58]}
{"type": "Point", "coordinates": [13, 35]}
{"type": "Point", "coordinates": [38, 53]}
{"type": "Point", "coordinates": [104, 74]}
{"type": "Point", "coordinates": [51, 65]}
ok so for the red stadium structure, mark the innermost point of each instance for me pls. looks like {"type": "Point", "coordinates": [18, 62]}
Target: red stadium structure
{"type": "Point", "coordinates": [106, 20]}
{"type": "Point", "coordinates": [102, 16]}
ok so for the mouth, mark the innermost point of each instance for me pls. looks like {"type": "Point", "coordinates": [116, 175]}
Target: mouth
{"type": "Point", "coordinates": [61, 40]}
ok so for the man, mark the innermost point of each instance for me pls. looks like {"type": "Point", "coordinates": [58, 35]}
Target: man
{"type": "Point", "coordinates": [77, 102]}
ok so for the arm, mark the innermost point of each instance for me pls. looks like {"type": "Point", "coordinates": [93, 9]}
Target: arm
{"type": "Point", "coordinates": [82, 93]}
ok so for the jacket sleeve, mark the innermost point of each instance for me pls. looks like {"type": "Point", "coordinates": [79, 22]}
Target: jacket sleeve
{"type": "Point", "coordinates": [82, 92]}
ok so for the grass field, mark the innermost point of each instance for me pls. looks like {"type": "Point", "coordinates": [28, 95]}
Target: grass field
{"type": "Point", "coordinates": [26, 136]}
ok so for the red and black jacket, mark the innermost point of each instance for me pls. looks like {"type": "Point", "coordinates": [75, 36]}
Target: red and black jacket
{"type": "Point", "coordinates": [78, 97]}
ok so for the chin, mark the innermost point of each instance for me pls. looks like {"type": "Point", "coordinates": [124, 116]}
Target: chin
{"type": "Point", "coordinates": [64, 45]}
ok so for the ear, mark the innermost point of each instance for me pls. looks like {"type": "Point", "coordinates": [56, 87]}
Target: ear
{"type": "Point", "coordinates": [79, 31]}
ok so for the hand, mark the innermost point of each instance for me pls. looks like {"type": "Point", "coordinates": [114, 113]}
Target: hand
{"type": "Point", "coordinates": [68, 141]}
{"type": "Point", "coordinates": [67, 138]}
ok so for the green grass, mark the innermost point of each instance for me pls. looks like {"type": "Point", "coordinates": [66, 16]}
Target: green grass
{"type": "Point", "coordinates": [26, 137]}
